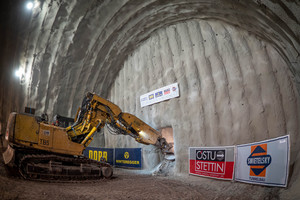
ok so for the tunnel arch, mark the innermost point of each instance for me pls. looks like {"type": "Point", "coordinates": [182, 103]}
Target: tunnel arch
{"type": "Point", "coordinates": [95, 46]}
{"type": "Point", "coordinates": [71, 47]}
{"type": "Point", "coordinates": [233, 87]}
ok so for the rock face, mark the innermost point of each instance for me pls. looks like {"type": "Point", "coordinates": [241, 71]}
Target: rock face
{"type": "Point", "coordinates": [236, 62]}
{"type": "Point", "coordinates": [234, 88]}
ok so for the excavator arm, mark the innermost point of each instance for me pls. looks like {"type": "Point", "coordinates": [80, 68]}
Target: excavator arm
{"type": "Point", "coordinates": [96, 112]}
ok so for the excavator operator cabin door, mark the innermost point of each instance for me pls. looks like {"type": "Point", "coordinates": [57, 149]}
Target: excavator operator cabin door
{"type": "Point", "coordinates": [167, 133]}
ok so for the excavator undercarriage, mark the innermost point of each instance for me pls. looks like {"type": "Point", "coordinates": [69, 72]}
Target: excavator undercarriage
{"type": "Point", "coordinates": [38, 165]}
{"type": "Point", "coordinates": [54, 167]}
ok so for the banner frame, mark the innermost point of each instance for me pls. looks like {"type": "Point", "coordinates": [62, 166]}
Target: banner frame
{"type": "Point", "coordinates": [215, 147]}
{"type": "Point", "coordinates": [287, 164]}
{"type": "Point", "coordinates": [127, 167]}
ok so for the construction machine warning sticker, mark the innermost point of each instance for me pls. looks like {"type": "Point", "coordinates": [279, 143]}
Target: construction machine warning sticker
{"type": "Point", "coordinates": [264, 162]}
{"type": "Point", "coordinates": [214, 162]}
{"type": "Point", "coordinates": [46, 132]}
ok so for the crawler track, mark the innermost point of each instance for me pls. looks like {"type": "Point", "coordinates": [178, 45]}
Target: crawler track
{"type": "Point", "coordinates": [55, 168]}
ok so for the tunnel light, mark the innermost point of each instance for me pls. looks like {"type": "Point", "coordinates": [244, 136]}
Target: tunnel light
{"type": "Point", "coordinates": [19, 73]}
{"type": "Point", "coordinates": [32, 5]}
{"type": "Point", "coordinates": [29, 5]}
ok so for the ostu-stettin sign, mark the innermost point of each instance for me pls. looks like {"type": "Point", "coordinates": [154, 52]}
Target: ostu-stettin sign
{"type": "Point", "coordinates": [265, 162]}
{"type": "Point", "coordinates": [214, 162]}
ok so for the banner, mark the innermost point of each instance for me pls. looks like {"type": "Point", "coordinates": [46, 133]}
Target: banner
{"type": "Point", "coordinates": [128, 157]}
{"type": "Point", "coordinates": [162, 94]}
{"type": "Point", "coordinates": [265, 162]}
{"type": "Point", "coordinates": [96, 154]}
{"type": "Point", "coordinates": [214, 162]}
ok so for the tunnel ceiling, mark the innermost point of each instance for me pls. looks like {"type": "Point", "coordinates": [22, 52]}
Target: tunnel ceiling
{"type": "Point", "coordinates": [67, 48]}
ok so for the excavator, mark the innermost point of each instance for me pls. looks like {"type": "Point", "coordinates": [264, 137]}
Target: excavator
{"type": "Point", "coordinates": [41, 151]}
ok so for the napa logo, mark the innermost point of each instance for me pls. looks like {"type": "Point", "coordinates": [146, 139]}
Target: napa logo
{"type": "Point", "coordinates": [259, 160]}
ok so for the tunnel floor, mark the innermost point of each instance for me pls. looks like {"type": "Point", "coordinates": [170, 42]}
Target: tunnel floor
{"type": "Point", "coordinates": [131, 184]}
{"type": "Point", "coordinates": [128, 184]}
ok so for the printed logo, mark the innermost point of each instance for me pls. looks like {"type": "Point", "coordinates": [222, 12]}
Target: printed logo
{"type": "Point", "coordinates": [174, 89]}
{"type": "Point", "coordinates": [210, 155]}
{"type": "Point", "coordinates": [144, 99]}
{"type": "Point", "coordinates": [151, 96]}
{"type": "Point", "coordinates": [259, 160]}
{"type": "Point", "coordinates": [210, 161]}
{"type": "Point", "coordinates": [158, 94]}
{"type": "Point", "coordinates": [220, 155]}
{"type": "Point", "coordinates": [167, 91]}
{"type": "Point", "coordinates": [46, 132]}
{"type": "Point", "coordinates": [126, 155]}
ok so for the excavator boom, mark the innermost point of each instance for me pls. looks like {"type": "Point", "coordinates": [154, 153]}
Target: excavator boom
{"type": "Point", "coordinates": [96, 112]}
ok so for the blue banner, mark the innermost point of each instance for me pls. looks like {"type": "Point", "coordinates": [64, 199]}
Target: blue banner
{"type": "Point", "coordinates": [128, 157]}
{"type": "Point", "coordinates": [96, 154]}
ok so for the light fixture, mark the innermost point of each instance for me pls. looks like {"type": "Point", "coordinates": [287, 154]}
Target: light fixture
{"type": "Point", "coordinates": [32, 4]}
{"type": "Point", "coordinates": [19, 73]}
{"type": "Point", "coordinates": [29, 5]}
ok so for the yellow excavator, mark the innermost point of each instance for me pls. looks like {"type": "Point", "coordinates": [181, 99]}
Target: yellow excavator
{"type": "Point", "coordinates": [40, 151]}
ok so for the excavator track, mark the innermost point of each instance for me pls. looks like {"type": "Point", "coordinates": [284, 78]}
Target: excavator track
{"type": "Point", "coordinates": [56, 168]}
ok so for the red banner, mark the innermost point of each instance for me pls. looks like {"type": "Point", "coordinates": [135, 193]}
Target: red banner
{"type": "Point", "coordinates": [216, 162]}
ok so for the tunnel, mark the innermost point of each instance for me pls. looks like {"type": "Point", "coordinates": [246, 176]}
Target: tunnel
{"type": "Point", "coordinates": [236, 63]}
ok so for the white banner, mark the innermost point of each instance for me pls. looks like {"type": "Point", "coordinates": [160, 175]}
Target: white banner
{"type": "Point", "coordinates": [161, 94]}
{"type": "Point", "coordinates": [265, 162]}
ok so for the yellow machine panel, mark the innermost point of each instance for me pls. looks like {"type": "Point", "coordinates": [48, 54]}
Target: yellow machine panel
{"type": "Point", "coordinates": [26, 129]}
{"type": "Point", "coordinates": [147, 135]}
{"type": "Point", "coordinates": [55, 139]}
{"type": "Point", "coordinates": [62, 144]}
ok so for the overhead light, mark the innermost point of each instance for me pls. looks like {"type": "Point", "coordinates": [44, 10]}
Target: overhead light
{"type": "Point", "coordinates": [29, 5]}
{"type": "Point", "coordinates": [19, 73]}
{"type": "Point", "coordinates": [32, 5]}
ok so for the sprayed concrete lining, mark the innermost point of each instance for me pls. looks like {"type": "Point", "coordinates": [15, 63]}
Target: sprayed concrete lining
{"type": "Point", "coordinates": [234, 89]}
{"type": "Point", "coordinates": [236, 62]}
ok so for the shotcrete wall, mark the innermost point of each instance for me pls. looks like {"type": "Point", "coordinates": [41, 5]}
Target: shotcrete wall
{"type": "Point", "coordinates": [236, 62]}
{"type": "Point", "coordinates": [234, 88]}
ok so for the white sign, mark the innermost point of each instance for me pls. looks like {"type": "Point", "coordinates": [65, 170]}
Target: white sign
{"type": "Point", "coordinates": [161, 94]}
{"type": "Point", "coordinates": [265, 162]}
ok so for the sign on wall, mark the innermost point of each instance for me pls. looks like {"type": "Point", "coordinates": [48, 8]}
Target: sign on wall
{"type": "Point", "coordinates": [161, 94]}
{"type": "Point", "coordinates": [96, 154]}
{"type": "Point", "coordinates": [128, 157]}
{"type": "Point", "coordinates": [120, 157]}
{"type": "Point", "coordinates": [265, 162]}
{"type": "Point", "coordinates": [214, 162]}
